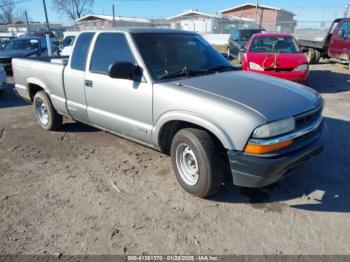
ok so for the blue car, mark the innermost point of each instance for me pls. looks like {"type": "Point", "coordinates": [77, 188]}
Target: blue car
{"type": "Point", "coordinates": [24, 47]}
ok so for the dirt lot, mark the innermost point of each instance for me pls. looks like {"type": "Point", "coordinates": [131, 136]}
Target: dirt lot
{"type": "Point", "coordinates": [57, 196]}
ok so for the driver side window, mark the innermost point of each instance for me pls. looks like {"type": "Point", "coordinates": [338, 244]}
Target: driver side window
{"type": "Point", "coordinates": [344, 30]}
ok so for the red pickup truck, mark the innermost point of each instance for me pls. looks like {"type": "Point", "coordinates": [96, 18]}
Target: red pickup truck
{"type": "Point", "coordinates": [336, 44]}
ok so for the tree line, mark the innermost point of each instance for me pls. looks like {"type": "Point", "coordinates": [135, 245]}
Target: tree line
{"type": "Point", "coordinates": [11, 12]}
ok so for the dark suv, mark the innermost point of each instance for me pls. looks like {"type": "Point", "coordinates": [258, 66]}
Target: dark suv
{"type": "Point", "coordinates": [238, 40]}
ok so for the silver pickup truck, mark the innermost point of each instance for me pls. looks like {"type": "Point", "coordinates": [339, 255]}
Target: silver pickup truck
{"type": "Point", "coordinates": [171, 91]}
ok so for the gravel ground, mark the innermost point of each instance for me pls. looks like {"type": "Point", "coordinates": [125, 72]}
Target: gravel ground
{"type": "Point", "coordinates": [84, 191]}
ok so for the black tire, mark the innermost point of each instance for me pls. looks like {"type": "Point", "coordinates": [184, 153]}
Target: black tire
{"type": "Point", "coordinates": [240, 57]}
{"type": "Point", "coordinates": [310, 56]}
{"type": "Point", "coordinates": [228, 53]}
{"type": "Point", "coordinates": [209, 158]}
{"type": "Point", "coordinates": [54, 120]}
{"type": "Point", "coordinates": [317, 57]}
{"type": "Point", "coordinates": [2, 92]}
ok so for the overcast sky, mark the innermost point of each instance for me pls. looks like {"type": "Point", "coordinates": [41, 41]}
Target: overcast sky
{"type": "Point", "coordinates": [306, 10]}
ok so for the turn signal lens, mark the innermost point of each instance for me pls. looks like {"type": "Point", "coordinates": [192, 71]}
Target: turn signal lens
{"type": "Point", "coordinates": [255, 66]}
{"type": "Point", "coordinates": [264, 149]}
{"type": "Point", "coordinates": [301, 68]}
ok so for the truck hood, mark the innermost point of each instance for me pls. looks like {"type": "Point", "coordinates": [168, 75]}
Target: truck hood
{"type": "Point", "coordinates": [15, 53]}
{"type": "Point", "coordinates": [272, 98]}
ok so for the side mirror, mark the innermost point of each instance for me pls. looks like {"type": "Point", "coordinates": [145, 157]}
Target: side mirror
{"type": "Point", "coordinates": [124, 70]}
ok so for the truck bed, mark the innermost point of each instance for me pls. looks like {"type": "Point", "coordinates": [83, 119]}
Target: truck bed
{"type": "Point", "coordinates": [46, 72]}
{"type": "Point", "coordinates": [312, 44]}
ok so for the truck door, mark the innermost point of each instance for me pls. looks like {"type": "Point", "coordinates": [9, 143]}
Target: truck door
{"type": "Point", "coordinates": [119, 105]}
{"type": "Point", "coordinates": [340, 43]}
{"type": "Point", "coordinates": [74, 78]}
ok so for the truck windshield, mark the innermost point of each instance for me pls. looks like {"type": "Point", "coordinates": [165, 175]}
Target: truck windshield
{"type": "Point", "coordinates": [271, 44]}
{"type": "Point", "coordinates": [25, 44]}
{"type": "Point", "coordinates": [172, 55]}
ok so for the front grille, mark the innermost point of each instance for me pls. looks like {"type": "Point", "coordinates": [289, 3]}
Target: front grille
{"type": "Point", "coordinates": [280, 69]}
{"type": "Point", "coordinates": [306, 119]}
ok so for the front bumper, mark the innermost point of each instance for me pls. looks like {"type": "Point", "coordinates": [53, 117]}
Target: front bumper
{"type": "Point", "coordinates": [300, 77]}
{"type": "Point", "coordinates": [253, 171]}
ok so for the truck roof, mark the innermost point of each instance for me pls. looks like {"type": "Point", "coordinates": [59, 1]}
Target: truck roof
{"type": "Point", "coordinates": [143, 30]}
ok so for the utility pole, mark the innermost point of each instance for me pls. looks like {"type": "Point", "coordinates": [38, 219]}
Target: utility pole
{"type": "Point", "coordinates": [47, 19]}
{"type": "Point", "coordinates": [48, 40]}
{"type": "Point", "coordinates": [113, 15]}
{"type": "Point", "coordinates": [27, 21]}
{"type": "Point", "coordinates": [256, 14]}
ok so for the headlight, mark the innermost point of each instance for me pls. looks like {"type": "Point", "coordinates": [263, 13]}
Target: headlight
{"type": "Point", "coordinates": [255, 66]}
{"type": "Point", "coordinates": [301, 68]}
{"type": "Point", "coordinates": [275, 128]}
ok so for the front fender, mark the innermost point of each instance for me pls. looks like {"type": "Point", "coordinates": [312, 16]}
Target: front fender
{"type": "Point", "coordinates": [195, 119]}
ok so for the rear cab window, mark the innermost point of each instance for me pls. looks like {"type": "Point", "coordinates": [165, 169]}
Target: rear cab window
{"type": "Point", "coordinates": [80, 51]}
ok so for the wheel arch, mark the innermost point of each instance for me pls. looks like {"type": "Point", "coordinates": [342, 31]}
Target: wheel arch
{"type": "Point", "coordinates": [34, 85]}
{"type": "Point", "coordinates": [169, 123]}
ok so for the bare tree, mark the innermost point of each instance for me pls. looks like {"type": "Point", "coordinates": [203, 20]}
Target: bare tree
{"type": "Point", "coordinates": [7, 11]}
{"type": "Point", "coordinates": [20, 17]}
{"type": "Point", "coordinates": [73, 9]}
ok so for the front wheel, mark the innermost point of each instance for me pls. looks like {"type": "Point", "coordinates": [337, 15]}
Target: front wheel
{"type": "Point", "coordinates": [197, 160]}
{"type": "Point", "coordinates": [46, 115]}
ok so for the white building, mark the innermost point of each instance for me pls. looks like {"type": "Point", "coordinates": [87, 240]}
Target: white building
{"type": "Point", "coordinates": [194, 20]}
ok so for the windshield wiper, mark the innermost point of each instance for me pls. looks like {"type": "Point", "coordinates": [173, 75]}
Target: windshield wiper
{"type": "Point", "coordinates": [190, 72]}
{"type": "Point", "coordinates": [178, 73]}
{"type": "Point", "coordinates": [221, 68]}
{"type": "Point", "coordinates": [183, 72]}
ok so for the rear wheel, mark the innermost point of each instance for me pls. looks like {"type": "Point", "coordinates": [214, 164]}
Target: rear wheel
{"type": "Point", "coordinates": [310, 56]}
{"type": "Point", "coordinates": [239, 57]}
{"type": "Point", "coordinates": [228, 53]}
{"type": "Point", "coordinates": [46, 115]}
{"type": "Point", "coordinates": [317, 57]}
{"type": "Point", "coordinates": [197, 161]}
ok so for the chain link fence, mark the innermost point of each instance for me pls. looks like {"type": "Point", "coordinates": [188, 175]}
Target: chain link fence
{"type": "Point", "coordinates": [312, 30]}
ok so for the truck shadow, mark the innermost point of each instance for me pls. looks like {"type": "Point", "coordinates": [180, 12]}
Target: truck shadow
{"type": "Point", "coordinates": [77, 127]}
{"type": "Point", "coordinates": [325, 81]}
{"type": "Point", "coordinates": [324, 186]}
{"type": "Point", "coordinates": [10, 99]}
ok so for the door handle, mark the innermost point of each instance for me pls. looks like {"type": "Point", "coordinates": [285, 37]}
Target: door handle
{"type": "Point", "coordinates": [89, 83]}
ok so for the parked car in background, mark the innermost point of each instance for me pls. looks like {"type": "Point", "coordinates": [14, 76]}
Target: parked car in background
{"type": "Point", "coordinates": [238, 40]}
{"type": "Point", "coordinates": [172, 91]}
{"type": "Point", "coordinates": [336, 43]}
{"type": "Point", "coordinates": [2, 80]}
{"type": "Point", "coordinates": [26, 46]}
{"type": "Point", "coordinates": [4, 40]}
{"type": "Point", "coordinates": [276, 55]}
